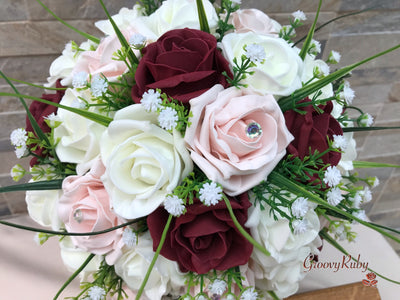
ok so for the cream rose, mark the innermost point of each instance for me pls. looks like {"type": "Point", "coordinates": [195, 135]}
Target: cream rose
{"type": "Point", "coordinates": [79, 137]}
{"type": "Point", "coordinates": [281, 72]}
{"type": "Point", "coordinates": [143, 162]}
{"type": "Point", "coordinates": [236, 136]}
{"type": "Point", "coordinates": [282, 271]}
{"type": "Point", "coordinates": [42, 207]}
{"type": "Point", "coordinates": [85, 207]}
{"type": "Point", "coordinates": [176, 14]}
{"type": "Point", "coordinates": [164, 279]}
{"type": "Point", "coordinates": [254, 20]}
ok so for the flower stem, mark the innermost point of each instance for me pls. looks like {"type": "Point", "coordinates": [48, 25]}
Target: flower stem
{"type": "Point", "coordinates": [73, 276]}
{"type": "Point", "coordinates": [273, 295]}
{"type": "Point", "coordinates": [156, 254]}
{"type": "Point", "coordinates": [241, 229]}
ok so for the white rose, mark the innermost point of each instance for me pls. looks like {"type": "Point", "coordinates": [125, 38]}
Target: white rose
{"type": "Point", "coordinates": [123, 20]}
{"type": "Point", "coordinates": [143, 162]}
{"type": "Point", "coordinates": [177, 14]}
{"type": "Point", "coordinates": [280, 74]}
{"type": "Point", "coordinates": [42, 207]}
{"type": "Point", "coordinates": [282, 270]}
{"type": "Point", "coordinates": [74, 257]}
{"type": "Point", "coordinates": [79, 136]}
{"type": "Point", "coordinates": [62, 66]}
{"type": "Point", "coordinates": [310, 65]}
{"type": "Point", "coordinates": [165, 277]}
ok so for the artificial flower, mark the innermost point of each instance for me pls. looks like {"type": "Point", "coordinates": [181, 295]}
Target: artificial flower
{"type": "Point", "coordinates": [223, 144]}
{"type": "Point", "coordinates": [254, 20]}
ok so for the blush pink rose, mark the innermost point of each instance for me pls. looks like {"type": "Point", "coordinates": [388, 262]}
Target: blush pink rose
{"type": "Point", "coordinates": [254, 20]}
{"type": "Point", "coordinates": [100, 60]}
{"type": "Point", "coordinates": [85, 207]}
{"type": "Point", "coordinates": [220, 141]}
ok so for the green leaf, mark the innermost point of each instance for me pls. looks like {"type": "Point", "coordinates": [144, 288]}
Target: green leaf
{"type": "Point", "coordinates": [354, 129]}
{"type": "Point", "coordinates": [36, 128]}
{"type": "Point", "coordinates": [37, 86]}
{"type": "Point", "coordinates": [276, 178]}
{"type": "Point", "coordinates": [131, 56]}
{"type": "Point", "coordinates": [84, 34]}
{"type": "Point", "coordinates": [289, 102]}
{"type": "Point", "coordinates": [202, 16]}
{"type": "Point", "coordinates": [33, 186]}
{"type": "Point", "coordinates": [310, 35]}
{"type": "Point", "coordinates": [102, 120]}
{"type": "Point", "coordinates": [370, 164]}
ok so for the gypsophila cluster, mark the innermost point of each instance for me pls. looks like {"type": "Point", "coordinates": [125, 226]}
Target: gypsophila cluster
{"type": "Point", "coordinates": [99, 86]}
{"type": "Point", "coordinates": [137, 40]}
{"type": "Point", "coordinates": [347, 94]}
{"type": "Point", "coordinates": [174, 205]}
{"type": "Point", "coordinates": [315, 48]}
{"type": "Point", "coordinates": [360, 215]}
{"type": "Point", "coordinates": [249, 294]}
{"type": "Point", "coordinates": [332, 176]}
{"type": "Point", "coordinates": [300, 226]}
{"type": "Point", "coordinates": [366, 120]}
{"type": "Point", "coordinates": [255, 53]}
{"type": "Point", "coordinates": [218, 287]}
{"type": "Point", "coordinates": [300, 207]}
{"type": "Point", "coordinates": [79, 80]}
{"type": "Point", "coordinates": [210, 193]}
{"type": "Point", "coordinates": [334, 57]}
{"type": "Point", "coordinates": [96, 293]}
{"type": "Point", "coordinates": [168, 118]}
{"type": "Point", "coordinates": [340, 142]}
{"type": "Point", "coordinates": [356, 200]}
{"type": "Point", "coordinates": [334, 196]}
{"type": "Point", "coordinates": [151, 100]}
{"type": "Point", "coordinates": [366, 194]}
{"type": "Point", "coordinates": [299, 15]}
{"type": "Point", "coordinates": [18, 137]}
{"type": "Point", "coordinates": [129, 237]}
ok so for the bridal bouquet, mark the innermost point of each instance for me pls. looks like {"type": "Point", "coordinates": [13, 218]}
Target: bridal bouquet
{"type": "Point", "coordinates": [193, 152]}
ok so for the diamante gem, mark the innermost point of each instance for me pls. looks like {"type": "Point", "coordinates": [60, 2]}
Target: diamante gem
{"type": "Point", "coordinates": [78, 215]}
{"type": "Point", "coordinates": [253, 130]}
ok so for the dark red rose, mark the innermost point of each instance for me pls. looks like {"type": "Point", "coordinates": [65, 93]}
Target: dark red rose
{"type": "Point", "coordinates": [204, 238]}
{"type": "Point", "coordinates": [183, 63]}
{"type": "Point", "coordinates": [311, 131]}
{"type": "Point", "coordinates": [39, 111]}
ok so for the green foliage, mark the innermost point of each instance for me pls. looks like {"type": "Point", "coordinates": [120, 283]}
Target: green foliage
{"type": "Point", "coordinates": [150, 6]}
{"type": "Point", "coordinates": [224, 13]}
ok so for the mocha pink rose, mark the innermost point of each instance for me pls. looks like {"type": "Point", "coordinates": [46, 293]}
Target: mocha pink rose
{"type": "Point", "coordinates": [100, 61]}
{"type": "Point", "coordinates": [219, 138]}
{"type": "Point", "coordinates": [85, 207]}
{"type": "Point", "coordinates": [254, 20]}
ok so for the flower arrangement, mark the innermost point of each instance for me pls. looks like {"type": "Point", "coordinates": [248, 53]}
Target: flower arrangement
{"type": "Point", "coordinates": [193, 152]}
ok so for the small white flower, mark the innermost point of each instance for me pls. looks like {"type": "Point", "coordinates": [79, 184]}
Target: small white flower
{"type": "Point", "coordinates": [53, 120]}
{"type": "Point", "coordinates": [96, 293]}
{"type": "Point", "coordinates": [151, 100]}
{"type": "Point", "coordinates": [300, 207]}
{"type": "Point", "coordinates": [334, 196]}
{"type": "Point", "coordinates": [21, 151]}
{"type": "Point", "coordinates": [360, 215]}
{"type": "Point", "coordinates": [80, 79]}
{"type": "Point", "coordinates": [210, 193]}
{"type": "Point", "coordinates": [218, 287]}
{"type": "Point", "coordinates": [137, 40]}
{"type": "Point", "coordinates": [249, 294]}
{"type": "Point", "coordinates": [339, 141]}
{"type": "Point", "coordinates": [129, 237]}
{"type": "Point", "coordinates": [347, 94]}
{"type": "Point", "coordinates": [366, 120]}
{"type": "Point", "coordinates": [321, 71]}
{"type": "Point", "coordinates": [168, 118]}
{"type": "Point", "coordinates": [366, 194]}
{"type": "Point", "coordinates": [17, 172]}
{"type": "Point", "coordinates": [18, 137]}
{"type": "Point", "coordinates": [300, 226]}
{"type": "Point", "coordinates": [174, 205]}
{"type": "Point", "coordinates": [237, 2]}
{"type": "Point", "coordinates": [76, 103]}
{"type": "Point", "coordinates": [99, 86]}
{"type": "Point", "coordinates": [315, 47]}
{"type": "Point", "coordinates": [340, 232]}
{"type": "Point", "coordinates": [332, 176]}
{"type": "Point", "coordinates": [255, 53]}
{"type": "Point", "coordinates": [375, 182]}
{"type": "Point", "coordinates": [299, 15]}
{"type": "Point", "coordinates": [334, 57]}
{"type": "Point", "coordinates": [357, 199]}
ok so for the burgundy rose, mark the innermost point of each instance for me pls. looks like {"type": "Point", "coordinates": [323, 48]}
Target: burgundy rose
{"type": "Point", "coordinates": [41, 110]}
{"type": "Point", "coordinates": [183, 63]}
{"type": "Point", "coordinates": [204, 238]}
{"type": "Point", "coordinates": [311, 131]}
